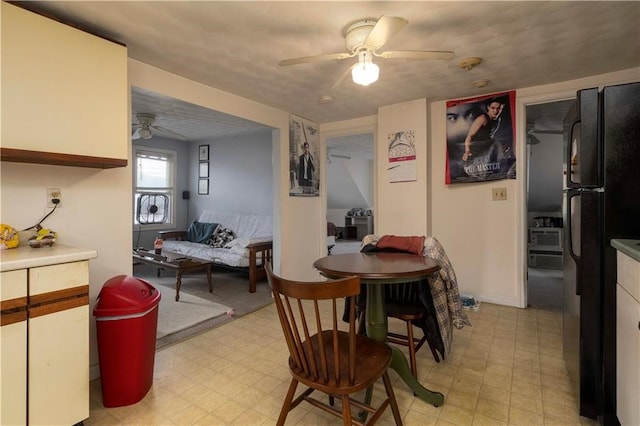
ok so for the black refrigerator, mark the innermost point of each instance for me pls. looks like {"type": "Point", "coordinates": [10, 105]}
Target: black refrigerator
{"type": "Point", "coordinates": [601, 202]}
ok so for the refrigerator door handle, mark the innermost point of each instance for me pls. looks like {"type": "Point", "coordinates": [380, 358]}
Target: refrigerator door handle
{"type": "Point", "coordinates": [569, 226]}
{"type": "Point", "coordinates": [571, 160]}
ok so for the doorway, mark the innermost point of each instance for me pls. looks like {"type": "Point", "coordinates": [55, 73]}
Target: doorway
{"type": "Point", "coordinates": [545, 144]}
{"type": "Point", "coordinates": [350, 189]}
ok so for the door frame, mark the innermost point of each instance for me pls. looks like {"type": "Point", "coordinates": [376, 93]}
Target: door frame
{"type": "Point", "coordinates": [522, 221]}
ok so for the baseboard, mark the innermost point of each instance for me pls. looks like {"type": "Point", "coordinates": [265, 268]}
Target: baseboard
{"type": "Point", "coordinates": [498, 300]}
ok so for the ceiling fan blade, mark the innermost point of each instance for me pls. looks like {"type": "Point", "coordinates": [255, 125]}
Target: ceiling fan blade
{"type": "Point", "coordinates": [532, 140]}
{"type": "Point", "coordinates": [169, 132]}
{"type": "Point", "coordinates": [136, 134]}
{"type": "Point", "coordinates": [384, 29]}
{"type": "Point", "coordinates": [416, 54]}
{"type": "Point", "coordinates": [316, 58]}
{"type": "Point", "coordinates": [345, 157]}
{"type": "Point", "coordinates": [342, 77]}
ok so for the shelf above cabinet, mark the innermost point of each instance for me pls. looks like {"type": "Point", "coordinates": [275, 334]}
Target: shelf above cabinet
{"type": "Point", "coordinates": [52, 158]}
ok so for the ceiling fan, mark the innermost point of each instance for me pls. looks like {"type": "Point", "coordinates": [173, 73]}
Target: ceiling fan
{"type": "Point", "coordinates": [363, 39]}
{"type": "Point", "coordinates": [145, 128]}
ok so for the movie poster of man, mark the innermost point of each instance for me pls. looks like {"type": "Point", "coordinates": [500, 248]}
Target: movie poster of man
{"type": "Point", "coordinates": [481, 139]}
{"type": "Point", "coordinates": [304, 166]}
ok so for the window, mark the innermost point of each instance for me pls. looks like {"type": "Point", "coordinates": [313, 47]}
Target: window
{"type": "Point", "coordinates": [154, 191]}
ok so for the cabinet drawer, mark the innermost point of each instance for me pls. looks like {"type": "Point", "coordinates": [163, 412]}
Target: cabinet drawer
{"type": "Point", "coordinates": [13, 284]}
{"type": "Point", "coordinates": [52, 278]}
{"type": "Point", "coordinates": [13, 297]}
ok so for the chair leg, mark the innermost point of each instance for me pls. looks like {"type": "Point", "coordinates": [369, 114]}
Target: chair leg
{"type": "Point", "coordinates": [286, 405]}
{"type": "Point", "coordinates": [412, 349]}
{"type": "Point", "coordinates": [346, 410]}
{"type": "Point", "coordinates": [392, 399]}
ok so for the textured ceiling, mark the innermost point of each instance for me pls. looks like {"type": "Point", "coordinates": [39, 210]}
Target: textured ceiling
{"type": "Point", "coordinates": [236, 46]}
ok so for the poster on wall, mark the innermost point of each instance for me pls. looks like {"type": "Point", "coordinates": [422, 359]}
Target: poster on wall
{"type": "Point", "coordinates": [481, 138]}
{"type": "Point", "coordinates": [304, 166]}
{"type": "Point", "coordinates": [401, 156]}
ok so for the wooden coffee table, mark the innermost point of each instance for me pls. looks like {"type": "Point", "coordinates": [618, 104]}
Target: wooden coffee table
{"type": "Point", "coordinates": [174, 261]}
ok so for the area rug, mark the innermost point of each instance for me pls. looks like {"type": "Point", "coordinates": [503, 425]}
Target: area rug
{"type": "Point", "coordinates": [230, 289]}
{"type": "Point", "coordinates": [189, 311]}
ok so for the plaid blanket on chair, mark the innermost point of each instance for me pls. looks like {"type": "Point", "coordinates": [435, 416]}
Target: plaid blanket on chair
{"type": "Point", "coordinates": [444, 289]}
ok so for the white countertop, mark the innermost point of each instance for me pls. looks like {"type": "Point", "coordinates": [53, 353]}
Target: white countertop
{"type": "Point", "coordinates": [629, 247]}
{"type": "Point", "coordinates": [27, 257]}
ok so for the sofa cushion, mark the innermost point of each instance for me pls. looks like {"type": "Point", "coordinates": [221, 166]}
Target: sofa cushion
{"type": "Point", "coordinates": [221, 237]}
{"type": "Point", "coordinates": [200, 232]}
{"type": "Point", "coordinates": [244, 225]}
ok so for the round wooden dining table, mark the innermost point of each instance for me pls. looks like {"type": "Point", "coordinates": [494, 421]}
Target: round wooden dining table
{"type": "Point", "coordinates": [377, 269]}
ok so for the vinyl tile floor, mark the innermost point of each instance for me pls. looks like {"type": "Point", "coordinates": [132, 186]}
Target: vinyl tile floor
{"type": "Point", "coordinates": [507, 369]}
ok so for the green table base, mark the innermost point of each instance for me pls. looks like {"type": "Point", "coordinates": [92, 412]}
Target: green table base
{"type": "Point", "coordinates": [377, 329]}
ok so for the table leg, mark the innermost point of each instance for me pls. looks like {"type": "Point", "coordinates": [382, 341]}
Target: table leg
{"type": "Point", "coordinates": [400, 365]}
{"type": "Point", "coordinates": [209, 278]}
{"type": "Point", "coordinates": [375, 314]}
{"type": "Point", "coordinates": [377, 330]}
{"type": "Point", "coordinates": [178, 283]}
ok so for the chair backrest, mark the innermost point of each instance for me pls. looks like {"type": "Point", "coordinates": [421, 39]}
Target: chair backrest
{"type": "Point", "coordinates": [309, 315]}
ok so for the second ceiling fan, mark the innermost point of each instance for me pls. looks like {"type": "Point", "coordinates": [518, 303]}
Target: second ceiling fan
{"type": "Point", "coordinates": [145, 128]}
{"type": "Point", "coordinates": [363, 39]}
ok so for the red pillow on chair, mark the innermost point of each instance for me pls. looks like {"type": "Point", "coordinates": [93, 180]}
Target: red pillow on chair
{"type": "Point", "coordinates": [413, 245]}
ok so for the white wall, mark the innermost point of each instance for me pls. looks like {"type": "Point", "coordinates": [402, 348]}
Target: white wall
{"type": "Point", "coordinates": [401, 207]}
{"type": "Point", "coordinates": [349, 183]}
{"type": "Point", "coordinates": [240, 176]}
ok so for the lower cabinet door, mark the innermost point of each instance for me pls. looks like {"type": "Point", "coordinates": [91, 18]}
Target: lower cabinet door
{"type": "Point", "coordinates": [59, 367]}
{"type": "Point", "coordinates": [628, 358]}
{"type": "Point", "coordinates": [13, 370]}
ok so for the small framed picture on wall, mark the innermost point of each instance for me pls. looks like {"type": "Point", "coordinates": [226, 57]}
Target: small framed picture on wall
{"type": "Point", "coordinates": [203, 186]}
{"type": "Point", "coordinates": [203, 153]}
{"type": "Point", "coordinates": [203, 170]}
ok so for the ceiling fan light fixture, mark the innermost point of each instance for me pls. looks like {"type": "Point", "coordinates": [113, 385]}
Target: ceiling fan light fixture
{"type": "Point", "coordinates": [145, 133]}
{"type": "Point", "coordinates": [365, 72]}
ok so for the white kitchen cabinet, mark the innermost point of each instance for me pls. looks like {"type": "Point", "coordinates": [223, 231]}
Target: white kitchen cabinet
{"type": "Point", "coordinates": [59, 344]}
{"type": "Point", "coordinates": [45, 363]}
{"type": "Point", "coordinates": [64, 92]}
{"type": "Point", "coordinates": [13, 347]}
{"type": "Point", "coordinates": [628, 340]}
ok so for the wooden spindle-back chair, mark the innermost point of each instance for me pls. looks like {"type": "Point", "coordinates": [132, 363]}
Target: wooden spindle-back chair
{"type": "Point", "coordinates": [324, 356]}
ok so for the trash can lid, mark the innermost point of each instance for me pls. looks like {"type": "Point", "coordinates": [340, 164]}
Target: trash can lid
{"type": "Point", "coordinates": [125, 295]}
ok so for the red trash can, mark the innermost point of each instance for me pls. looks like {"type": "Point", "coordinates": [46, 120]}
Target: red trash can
{"type": "Point", "coordinates": [126, 320]}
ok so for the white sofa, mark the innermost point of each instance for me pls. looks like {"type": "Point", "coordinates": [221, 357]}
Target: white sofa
{"type": "Point", "coordinates": [250, 249]}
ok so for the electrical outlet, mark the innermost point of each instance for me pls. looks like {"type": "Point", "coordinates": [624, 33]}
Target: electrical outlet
{"type": "Point", "coordinates": [499, 194]}
{"type": "Point", "coordinates": [54, 194]}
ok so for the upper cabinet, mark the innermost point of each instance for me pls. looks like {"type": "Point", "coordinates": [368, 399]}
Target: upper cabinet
{"type": "Point", "coordinates": [65, 94]}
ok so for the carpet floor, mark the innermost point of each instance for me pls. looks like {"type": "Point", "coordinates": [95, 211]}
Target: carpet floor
{"type": "Point", "coordinates": [230, 289]}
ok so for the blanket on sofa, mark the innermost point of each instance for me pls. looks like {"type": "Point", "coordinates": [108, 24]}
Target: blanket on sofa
{"type": "Point", "coordinates": [223, 237]}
